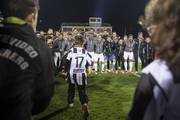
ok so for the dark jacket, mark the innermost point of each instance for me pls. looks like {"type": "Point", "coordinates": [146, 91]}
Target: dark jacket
{"type": "Point", "coordinates": [120, 49]}
{"type": "Point", "coordinates": [157, 93]}
{"type": "Point", "coordinates": [107, 48]}
{"type": "Point", "coordinates": [57, 45]}
{"type": "Point", "coordinates": [149, 51]}
{"type": "Point", "coordinates": [139, 46]}
{"type": "Point", "coordinates": [26, 73]}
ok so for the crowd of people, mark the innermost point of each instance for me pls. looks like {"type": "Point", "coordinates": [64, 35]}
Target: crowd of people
{"type": "Point", "coordinates": [27, 63]}
{"type": "Point", "coordinates": [110, 52]}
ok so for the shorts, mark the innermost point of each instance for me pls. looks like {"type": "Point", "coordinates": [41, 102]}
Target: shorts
{"type": "Point", "coordinates": [129, 55]}
{"type": "Point", "coordinates": [77, 78]}
{"type": "Point", "coordinates": [99, 57]}
{"type": "Point", "coordinates": [109, 57]}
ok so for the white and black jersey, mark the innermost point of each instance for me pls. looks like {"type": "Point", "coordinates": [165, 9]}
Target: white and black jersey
{"type": "Point", "coordinates": [78, 58]}
{"type": "Point", "coordinates": [157, 95]}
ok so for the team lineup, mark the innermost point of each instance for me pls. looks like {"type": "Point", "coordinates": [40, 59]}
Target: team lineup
{"type": "Point", "coordinates": [109, 52]}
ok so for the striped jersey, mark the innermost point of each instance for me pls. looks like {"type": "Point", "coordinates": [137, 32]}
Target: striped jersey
{"type": "Point", "coordinates": [79, 58]}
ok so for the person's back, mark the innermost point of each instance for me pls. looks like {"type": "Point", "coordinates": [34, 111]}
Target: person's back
{"type": "Point", "coordinates": [26, 72]}
{"type": "Point", "coordinates": [159, 89]}
{"type": "Point", "coordinates": [79, 58]}
{"type": "Point", "coordinates": [157, 94]}
{"type": "Point", "coordinates": [77, 62]}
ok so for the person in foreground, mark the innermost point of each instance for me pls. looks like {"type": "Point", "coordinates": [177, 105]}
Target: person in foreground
{"type": "Point", "coordinates": [77, 62]}
{"type": "Point", "coordinates": [26, 65]}
{"type": "Point", "coordinates": [158, 92]}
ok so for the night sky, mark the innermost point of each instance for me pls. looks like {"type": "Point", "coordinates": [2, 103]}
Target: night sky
{"type": "Point", "coordinates": [120, 13]}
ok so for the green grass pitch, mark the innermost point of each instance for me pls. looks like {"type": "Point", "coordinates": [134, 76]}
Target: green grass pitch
{"type": "Point", "coordinates": [110, 97]}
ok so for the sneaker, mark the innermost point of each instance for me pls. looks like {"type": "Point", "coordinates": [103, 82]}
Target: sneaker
{"type": "Point", "coordinates": [71, 105]}
{"type": "Point", "coordinates": [136, 72]}
{"type": "Point", "coordinates": [122, 71]}
{"type": "Point", "coordinates": [85, 110]}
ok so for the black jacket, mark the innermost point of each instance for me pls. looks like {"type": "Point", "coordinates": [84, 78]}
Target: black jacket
{"type": "Point", "coordinates": [120, 49]}
{"type": "Point", "coordinates": [26, 73]}
{"type": "Point", "coordinates": [139, 47]}
{"type": "Point", "coordinates": [108, 48]}
{"type": "Point", "coordinates": [157, 93]}
{"type": "Point", "coordinates": [149, 51]}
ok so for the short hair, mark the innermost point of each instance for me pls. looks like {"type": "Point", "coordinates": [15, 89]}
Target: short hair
{"type": "Point", "coordinates": [79, 40]}
{"type": "Point", "coordinates": [19, 8]}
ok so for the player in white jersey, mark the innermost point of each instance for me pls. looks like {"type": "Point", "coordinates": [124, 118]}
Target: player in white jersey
{"type": "Point", "coordinates": [128, 53]}
{"type": "Point", "coordinates": [98, 54]}
{"type": "Point", "coordinates": [78, 60]}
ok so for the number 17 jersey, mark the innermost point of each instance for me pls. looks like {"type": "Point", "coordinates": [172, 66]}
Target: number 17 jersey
{"type": "Point", "coordinates": [79, 58]}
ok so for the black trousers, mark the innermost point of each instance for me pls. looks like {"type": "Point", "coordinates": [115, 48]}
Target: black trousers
{"type": "Point", "coordinates": [142, 60]}
{"type": "Point", "coordinates": [148, 61]}
{"type": "Point", "coordinates": [82, 93]}
{"type": "Point", "coordinates": [120, 62]}
{"type": "Point", "coordinates": [136, 61]}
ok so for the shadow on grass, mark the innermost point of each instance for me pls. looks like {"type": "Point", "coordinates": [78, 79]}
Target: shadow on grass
{"type": "Point", "coordinates": [96, 87]}
{"type": "Point", "coordinates": [51, 115]}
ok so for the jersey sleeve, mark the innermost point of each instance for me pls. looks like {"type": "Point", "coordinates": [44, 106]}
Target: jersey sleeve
{"type": "Point", "coordinates": [69, 55]}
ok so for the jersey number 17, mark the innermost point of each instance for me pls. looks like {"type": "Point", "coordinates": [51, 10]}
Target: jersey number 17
{"type": "Point", "coordinates": [79, 61]}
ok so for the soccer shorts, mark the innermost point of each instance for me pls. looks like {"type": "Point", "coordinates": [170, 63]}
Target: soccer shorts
{"type": "Point", "coordinates": [109, 57]}
{"type": "Point", "coordinates": [129, 55]}
{"type": "Point", "coordinates": [78, 78]}
{"type": "Point", "coordinates": [99, 57]}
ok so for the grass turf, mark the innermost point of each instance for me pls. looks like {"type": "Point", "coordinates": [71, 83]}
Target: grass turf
{"type": "Point", "coordinates": [110, 97]}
